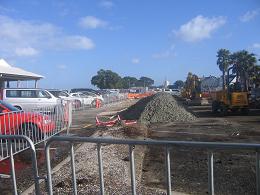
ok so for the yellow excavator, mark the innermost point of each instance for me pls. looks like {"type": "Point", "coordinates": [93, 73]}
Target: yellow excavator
{"type": "Point", "coordinates": [233, 97]}
{"type": "Point", "coordinates": [192, 88]}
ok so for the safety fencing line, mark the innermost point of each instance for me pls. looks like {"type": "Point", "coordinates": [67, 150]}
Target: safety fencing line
{"type": "Point", "coordinates": [37, 124]}
{"type": "Point", "coordinates": [11, 140]}
{"type": "Point", "coordinates": [108, 99]}
{"type": "Point", "coordinates": [210, 146]}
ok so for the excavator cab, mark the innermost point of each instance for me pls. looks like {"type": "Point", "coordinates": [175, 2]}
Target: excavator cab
{"type": "Point", "coordinates": [233, 97]}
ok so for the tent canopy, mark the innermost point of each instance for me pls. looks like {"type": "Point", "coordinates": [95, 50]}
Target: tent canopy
{"type": "Point", "coordinates": [10, 73]}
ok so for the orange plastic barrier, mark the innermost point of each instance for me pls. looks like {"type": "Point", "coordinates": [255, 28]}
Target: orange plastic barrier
{"type": "Point", "coordinates": [113, 122]}
{"type": "Point", "coordinates": [138, 95]}
{"type": "Point", "coordinates": [98, 103]}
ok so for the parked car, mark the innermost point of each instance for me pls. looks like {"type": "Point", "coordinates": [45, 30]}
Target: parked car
{"type": "Point", "coordinates": [76, 90]}
{"type": "Point", "coordinates": [14, 121]}
{"type": "Point", "coordinates": [30, 99]}
{"type": "Point", "coordinates": [87, 93]}
{"type": "Point", "coordinates": [87, 100]}
{"type": "Point", "coordinates": [174, 92]}
{"type": "Point", "coordinates": [76, 101]}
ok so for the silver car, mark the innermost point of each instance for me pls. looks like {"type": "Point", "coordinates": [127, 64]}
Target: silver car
{"type": "Point", "coordinates": [30, 99]}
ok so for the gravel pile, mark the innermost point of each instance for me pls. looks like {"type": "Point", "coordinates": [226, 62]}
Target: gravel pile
{"type": "Point", "coordinates": [159, 108]}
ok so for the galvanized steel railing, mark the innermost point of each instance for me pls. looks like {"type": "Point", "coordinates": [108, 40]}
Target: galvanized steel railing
{"type": "Point", "coordinates": [107, 99]}
{"type": "Point", "coordinates": [11, 139]}
{"type": "Point", "coordinates": [37, 124]}
{"type": "Point", "coordinates": [210, 146]}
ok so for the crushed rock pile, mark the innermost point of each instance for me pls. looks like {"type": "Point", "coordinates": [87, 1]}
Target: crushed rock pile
{"type": "Point", "coordinates": [159, 108]}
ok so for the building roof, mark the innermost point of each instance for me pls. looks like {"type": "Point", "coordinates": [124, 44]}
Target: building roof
{"type": "Point", "coordinates": [11, 73]}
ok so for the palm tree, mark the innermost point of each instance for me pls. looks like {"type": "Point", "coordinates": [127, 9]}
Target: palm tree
{"type": "Point", "coordinates": [244, 62]}
{"type": "Point", "coordinates": [223, 63]}
{"type": "Point", "coordinates": [254, 76]}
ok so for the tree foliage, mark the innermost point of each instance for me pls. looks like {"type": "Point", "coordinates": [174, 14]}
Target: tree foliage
{"type": "Point", "coordinates": [145, 82]}
{"type": "Point", "coordinates": [107, 79]}
{"type": "Point", "coordinates": [244, 65]}
{"type": "Point", "coordinates": [129, 82]}
{"type": "Point", "coordinates": [223, 62]}
{"type": "Point", "coordinates": [178, 84]}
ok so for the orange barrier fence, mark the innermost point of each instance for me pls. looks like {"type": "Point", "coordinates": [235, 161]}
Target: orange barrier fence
{"type": "Point", "coordinates": [139, 95]}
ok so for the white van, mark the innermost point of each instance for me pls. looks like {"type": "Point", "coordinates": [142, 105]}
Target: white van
{"type": "Point", "coordinates": [29, 99]}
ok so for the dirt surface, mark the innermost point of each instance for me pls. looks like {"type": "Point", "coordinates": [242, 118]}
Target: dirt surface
{"type": "Point", "coordinates": [234, 169]}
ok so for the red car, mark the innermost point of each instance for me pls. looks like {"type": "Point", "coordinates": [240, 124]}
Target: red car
{"type": "Point", "coordinates": [15, 121]}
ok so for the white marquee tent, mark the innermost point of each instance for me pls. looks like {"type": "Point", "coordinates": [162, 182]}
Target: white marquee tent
{"type": "Point", "coordinates": [10, 73]}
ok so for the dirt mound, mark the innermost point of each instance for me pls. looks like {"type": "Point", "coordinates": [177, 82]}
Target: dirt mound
{"type": "Point", "coordinates": [159, 108]}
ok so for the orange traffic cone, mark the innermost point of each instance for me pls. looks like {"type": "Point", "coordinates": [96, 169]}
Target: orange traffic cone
{"type": "Point", "coordinates": [98, 103]}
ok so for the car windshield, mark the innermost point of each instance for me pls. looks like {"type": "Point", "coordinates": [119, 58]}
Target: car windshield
{"type": "Point", "coordinates": [9, 106]}
{"type": "Point", "coordinates": [63, 93]}
{"type": "Point", "coordinates": [55, 93]}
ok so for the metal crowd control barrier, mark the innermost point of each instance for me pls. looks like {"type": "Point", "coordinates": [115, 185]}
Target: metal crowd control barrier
{"type": "Point", "coordinates": [112, 98]}
{"type": "Point", "coordinates": [107, 99]}
{"type": "Point", "coordinates": [11, 139]}
{"type": "Point", "coordinates": [210, 146]}
{"type": "Point", "coordinates": [37, 124]}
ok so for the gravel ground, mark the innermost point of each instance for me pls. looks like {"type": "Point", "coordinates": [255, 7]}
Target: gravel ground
{"type": "Point", "coordinates": [115, 164]}
{"type": "Point", "coordinates": [159, 108]}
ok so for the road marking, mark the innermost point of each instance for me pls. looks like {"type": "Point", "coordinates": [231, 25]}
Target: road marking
{"type": "Point", "coordinates": [87, 125]}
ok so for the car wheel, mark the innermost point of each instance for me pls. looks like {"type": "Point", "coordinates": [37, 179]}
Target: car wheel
{"type": "Point", "coordinates": [18, 107]}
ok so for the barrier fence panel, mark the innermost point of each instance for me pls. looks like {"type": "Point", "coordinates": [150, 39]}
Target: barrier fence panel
{"type": "Point", "coordinates": [38, 124]}
{"type": "Point", "coordinates": [105, 100]}
{"type": "Point", "coordinates": [168, 145]}
{"type": "Point", "coordinates": [11, 140]}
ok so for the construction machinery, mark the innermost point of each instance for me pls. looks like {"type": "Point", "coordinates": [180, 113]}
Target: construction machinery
{"type": "Point", "coordinates": [192, 88]}
{"type": "Point", "coordinates": [233, 96]}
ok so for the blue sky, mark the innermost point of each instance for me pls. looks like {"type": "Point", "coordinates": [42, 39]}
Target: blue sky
{"type": "Point", "coordinates": [69, 41]}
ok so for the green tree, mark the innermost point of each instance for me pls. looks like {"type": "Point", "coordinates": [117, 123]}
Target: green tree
{"type": "Point", "coordinates": [145, 82]}
{"type": "Point", "coordinates": [129, 82]}
{"type": "Point", "coordinates": [254, 76]}
{"type": "Point", "coordinates": [178, 84]}
{"type": "Point", "coordinates": [223, 62]}
{"type": "Point", "coordinates": [244, 66]}
{"type": "Point", "coordinates": [106, 79]}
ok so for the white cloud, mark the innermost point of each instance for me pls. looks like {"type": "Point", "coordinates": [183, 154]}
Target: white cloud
{"type": "Point", "coordinates": [250, 15]}
{"type": "Point", "coordinates": [91, 22]}
{"type": "Point", "coordinates": [78, 42]}
{"type": "Point", "coordinates": [62, 66]}
{"type": "Point", "coordinates": [256, 45]}
{"type": "Point", "coordinates": [135, 60]}
{"type": "Point", "coordinates": [200, 28]}
{"type": "Point", "coordinates": [26, 38]}
{"type": "Point", "coordinates": [26, 51]}
{"type": "Point", "coordinates": [165, 54]}
{"type": "Point", "coordinates": [107, 4]}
